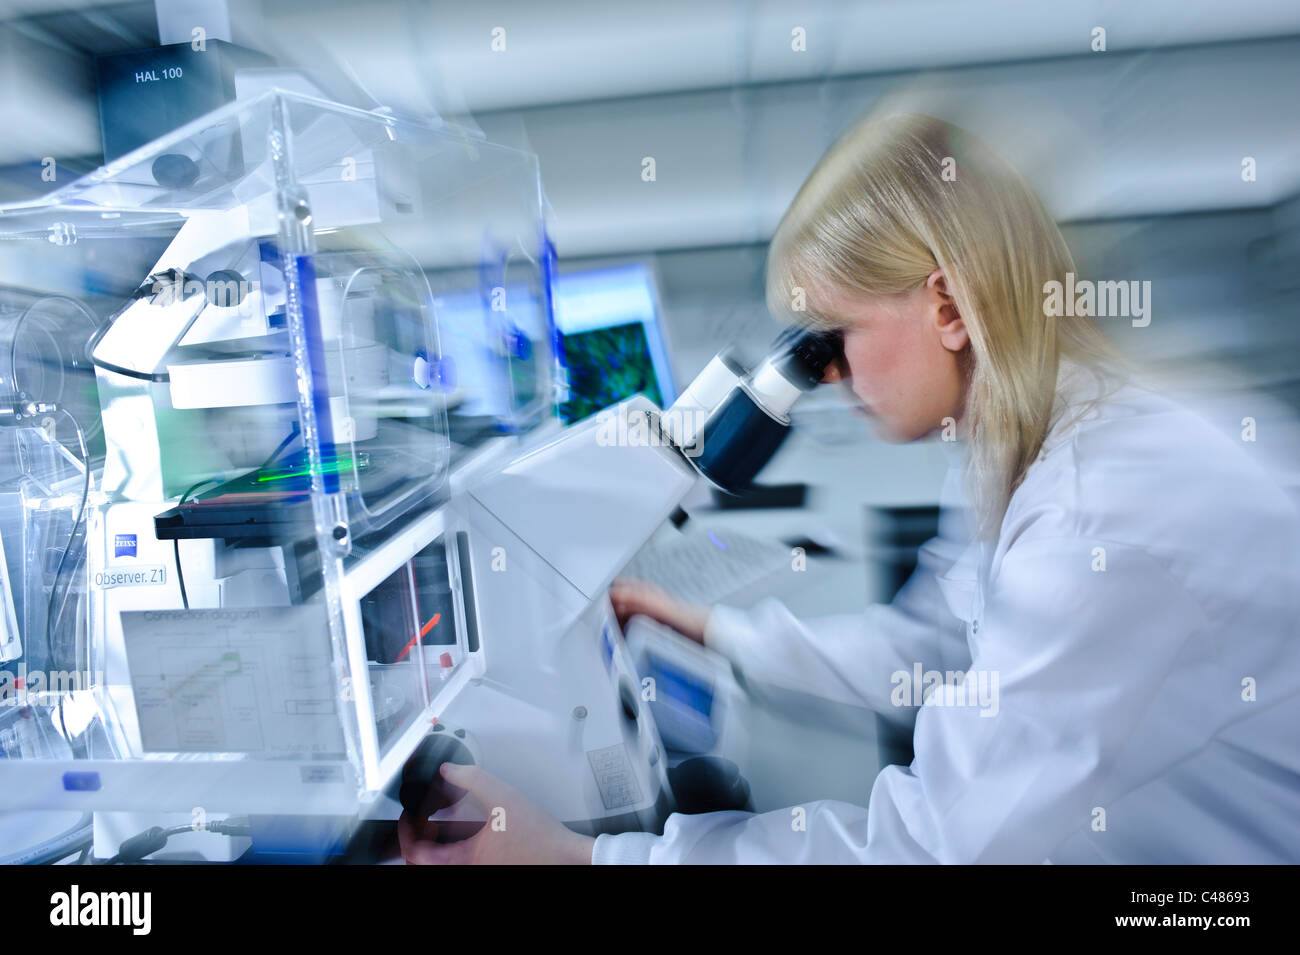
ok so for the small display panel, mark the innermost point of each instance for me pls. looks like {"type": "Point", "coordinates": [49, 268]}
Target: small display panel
{"type": "Point", "coordinates": [678, 685]}
{"type": "Point", "coordinates": [412, 606]}
{"type": "Point", "coordinates": [409, 622]}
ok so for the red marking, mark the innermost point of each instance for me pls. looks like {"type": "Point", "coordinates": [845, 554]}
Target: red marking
{"type": "Point", "coordinates": [415, 639]}
{"type": "Point", "coordinates": [445, 661]}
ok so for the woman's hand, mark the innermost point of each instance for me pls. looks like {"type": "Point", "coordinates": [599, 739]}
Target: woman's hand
{"type": "Point", "coordinates": [516, 832]}
{"type": "Point", "coordinates": [632, 597]}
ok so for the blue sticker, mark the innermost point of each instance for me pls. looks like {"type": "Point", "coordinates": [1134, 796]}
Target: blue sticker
{"type": "Point", "coordinates": [521, 346]}
{"type": "Point", "coordinates": [123, 545]}
{"type": "Point", "coordinates": [81, 782]}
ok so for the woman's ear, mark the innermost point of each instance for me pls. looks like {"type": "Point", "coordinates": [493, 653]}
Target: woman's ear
{"type": "Point", "coordinates": [947, 319]}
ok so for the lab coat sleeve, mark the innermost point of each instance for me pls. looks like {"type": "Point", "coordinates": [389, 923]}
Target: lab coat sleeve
{"type": "Point", "coordinates": [847, 659]}
{"type": "Point", "coordinates": [1078, 656]}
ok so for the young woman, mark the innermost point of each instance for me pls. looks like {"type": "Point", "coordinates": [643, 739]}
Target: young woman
{"type": "Point", "coordinates": [1124, 612]}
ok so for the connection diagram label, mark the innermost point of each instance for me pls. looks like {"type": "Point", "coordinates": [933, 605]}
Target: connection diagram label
{"type": "Point", "coordinates": [240, 680]}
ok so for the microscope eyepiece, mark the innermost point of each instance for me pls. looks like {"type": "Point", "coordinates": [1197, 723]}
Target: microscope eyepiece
{"type": "Point", "coordinates": [811, 352]}
{"type": "Point", "coordinates": [739, 420]}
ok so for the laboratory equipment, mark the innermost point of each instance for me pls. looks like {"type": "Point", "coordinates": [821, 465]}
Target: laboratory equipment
{"type": "Point", "coordinates": [252, 575]}
{"type": "Point", "coordinates": [729, 423]}
{"type": "Point", "coordinates": [709, 566]}
{"type": "Point", "coordinates": [696, 703]}
{"type": "Point", "coordinates": [145, 94]}
{"type": "Point", "coordinates": [546, 533]}
{"type": "Point", "coordinates": [227, 517]}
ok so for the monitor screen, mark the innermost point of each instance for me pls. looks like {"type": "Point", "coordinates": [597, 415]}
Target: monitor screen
{"type": "Point", "coordinates": [613, 347]}
{"type": "Point", "coordinates": [608, 320]}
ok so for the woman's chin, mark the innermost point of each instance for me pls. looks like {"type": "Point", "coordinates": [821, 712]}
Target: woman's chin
{"type": "Point", "coordinates": [882, 429]}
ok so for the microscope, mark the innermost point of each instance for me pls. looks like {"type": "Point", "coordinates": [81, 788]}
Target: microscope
{"type": "Point", "coordinates": [548, 532]}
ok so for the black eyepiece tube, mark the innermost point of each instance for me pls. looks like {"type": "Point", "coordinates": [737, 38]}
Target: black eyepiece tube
{"type": "Point", "coordinates": [809, 353]}
{"type": "Point", "coordinates": [748, 427]}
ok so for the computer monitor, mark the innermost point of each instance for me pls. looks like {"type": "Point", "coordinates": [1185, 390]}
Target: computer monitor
{"type": "Point", "coordinates": [608, 320]}
{"type": "Point", "coordinates": [614, 347]}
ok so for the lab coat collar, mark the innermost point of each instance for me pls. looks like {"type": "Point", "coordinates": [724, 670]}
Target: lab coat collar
{"type": "Point", "coordinates": [1080, 390]}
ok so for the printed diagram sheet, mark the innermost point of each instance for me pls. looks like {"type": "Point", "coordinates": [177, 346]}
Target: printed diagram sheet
{"type": "Point", "coordinates": [244, 680]}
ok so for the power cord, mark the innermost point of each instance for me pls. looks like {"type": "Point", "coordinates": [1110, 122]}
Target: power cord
{"type": "Point", "coordinates": [53, 618]}
{"type": "Point", "coordinates": [176, 542]}
{"type": "Point", "coordinates": [155, 838]}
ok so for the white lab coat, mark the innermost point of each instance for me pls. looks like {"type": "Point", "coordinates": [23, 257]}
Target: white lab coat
{"type": "Point", "coordinates": [1147, 708]}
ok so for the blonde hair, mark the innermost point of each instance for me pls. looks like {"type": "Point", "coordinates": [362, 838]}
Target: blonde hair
{"type": "Point", "coordinates": [878, 214]}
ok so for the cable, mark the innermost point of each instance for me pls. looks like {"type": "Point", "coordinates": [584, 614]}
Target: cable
{"type": "Point", "coordinates": [149, 288]}
{"type": "Point", "coordinates": [155, 838]}
{"type": "Point", "coordinates": [280, 447]}
{"type": "Point", "coordinates": [154, 377]}
{"type": "Point", "coordinates": [76, 839]}
{"type": "Point", "coordinates": [13, 341]}
{"type": "Point", "coordinates": [176, 542]}
{"type": "Point", "coordinates": [53, 619]}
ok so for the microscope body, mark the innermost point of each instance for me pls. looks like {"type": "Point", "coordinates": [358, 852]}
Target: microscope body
{"type": "Point", "coordinates": [559, 712]}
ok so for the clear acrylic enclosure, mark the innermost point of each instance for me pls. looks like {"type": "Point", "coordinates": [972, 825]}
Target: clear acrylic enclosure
{"type": "Point", "coordinates": [236, 366]}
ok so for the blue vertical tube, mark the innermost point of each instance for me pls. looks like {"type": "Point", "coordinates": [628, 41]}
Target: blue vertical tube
{"type": "Point", "coordinates": [320, 392]}
{"type": "Point", "coordinates": [559, 367]}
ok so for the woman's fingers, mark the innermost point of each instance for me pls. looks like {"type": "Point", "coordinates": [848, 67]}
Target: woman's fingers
{"type": "Point", "coordinates": [414, 837]}
{"type": "Point", "coordinates": [484, 787]}
{"type": "Point", "coordinates": [417, 839]}
{"type": "Point", "coordinates": [417, 850]}
{"type": "Point", "coordinates": [519, 831]}
{"type": "Point", "coordinates": [632, 597]}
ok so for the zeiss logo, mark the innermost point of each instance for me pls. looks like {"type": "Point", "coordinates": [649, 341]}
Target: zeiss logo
{"type": "Point", "coordinates": [123, 545]}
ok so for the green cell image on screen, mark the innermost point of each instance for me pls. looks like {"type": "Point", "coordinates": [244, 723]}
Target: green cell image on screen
{"type": "Point", "coordinates": [607, 365]}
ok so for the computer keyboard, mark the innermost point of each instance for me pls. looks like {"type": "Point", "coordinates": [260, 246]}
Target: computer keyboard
{"type": "Point", "coordinates": [709, 566]}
